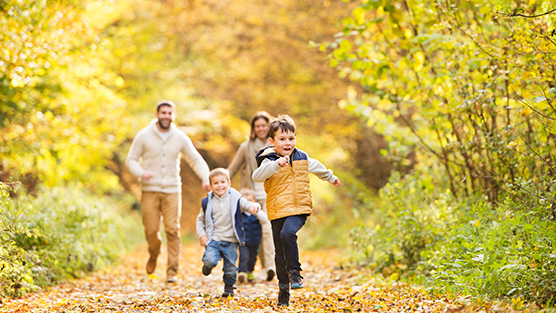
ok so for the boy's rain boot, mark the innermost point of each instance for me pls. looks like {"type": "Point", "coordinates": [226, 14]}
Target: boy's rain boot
{"type": "Point", "coordinates": [250, 277]}
{"type": "Point", "coordinates": [228, 291]}
{"type": "Point", "coordinates": [296, 279]}
{"type": "Point", "coordinates": [284, 294]}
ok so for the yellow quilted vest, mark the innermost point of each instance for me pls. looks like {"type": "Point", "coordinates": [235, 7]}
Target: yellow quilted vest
{"type": "Point", "coordinates": [288, 192]}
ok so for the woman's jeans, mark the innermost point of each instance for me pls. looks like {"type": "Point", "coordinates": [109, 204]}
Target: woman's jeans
{"type": "Point", "coordinates": [284, 232]}
{"type": "Point", "coordinates": [217, 250]}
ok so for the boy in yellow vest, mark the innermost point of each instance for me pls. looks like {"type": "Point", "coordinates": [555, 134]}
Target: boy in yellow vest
{"type": "Point", "coordinates": [284, 169]}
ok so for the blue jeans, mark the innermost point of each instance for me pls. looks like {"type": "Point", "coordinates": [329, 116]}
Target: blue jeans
{"type": "Point", "coordinates": [217, 250]}
{"type": "Point", "coordinates": [247, 258]}
{"type": "Point", "coordinates": [284, 232]}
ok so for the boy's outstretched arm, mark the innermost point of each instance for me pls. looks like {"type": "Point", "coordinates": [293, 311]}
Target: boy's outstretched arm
{"type": "Point", "coordinates": [317, 168]}
{"type": "Point", "coordinates": [267, 169]}
{"type": "Point", "coordinates": [248, 206]}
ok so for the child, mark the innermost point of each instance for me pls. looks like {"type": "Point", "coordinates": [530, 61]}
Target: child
{"type": "Point", "coordinates": [285, 172]}
{"type": "Point", "coordinates": [253, 237]}
{"type": "Point", "coordinates": [220, 227]}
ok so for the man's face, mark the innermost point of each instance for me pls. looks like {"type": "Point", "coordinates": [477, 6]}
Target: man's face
{"type": "Point", "coordinates": [220, 184]}
{"type": "Point", "coordinates": [165, 116]}
{"type": "Point", "coordinates": [284, 142]}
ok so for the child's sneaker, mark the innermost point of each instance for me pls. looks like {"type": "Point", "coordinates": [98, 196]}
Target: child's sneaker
{"type": "Point", "coordinates": [228, 291]}
{"type": "Point", "coordinates": [284, 295]}
{"type": "Point", "coordinates": [250, 277]}
{"type": "Point", "coordinates": [206, 270]}
{"type": "Point", "coordinates": [296, 279]}
{"type": "Point", "coordinates": [241, 277]}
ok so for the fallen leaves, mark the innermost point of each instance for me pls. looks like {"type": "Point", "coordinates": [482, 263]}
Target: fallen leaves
{"type": "Point", "coordinates": [329, 288]}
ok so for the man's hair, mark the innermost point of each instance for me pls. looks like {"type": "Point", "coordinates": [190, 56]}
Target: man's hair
{"type": "Point", "coordinates": [259, 115]}
{"type": "Point", "coordinates": [167, 103]}
{"type": "Point", "coordinates": [282, 122]}
{"type": "Point", "coordinates": [219, 171]}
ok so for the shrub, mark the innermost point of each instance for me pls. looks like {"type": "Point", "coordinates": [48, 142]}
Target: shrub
{"type": "Point", "coordinates": [425, 235]}
{"type": "Point", "coordinates": [61, 233]}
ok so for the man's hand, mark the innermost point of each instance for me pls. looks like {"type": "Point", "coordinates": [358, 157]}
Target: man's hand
{"type": "Point", "coordinates": [146, 175]}
{"type": "Point", "coordinates": [283, 161]}
{"type": "Point", "coordinates": [204, 241]}
{"type": "Point", "coordinates": [336, 182]}
{"type": "Point", "coordinates": [255, 208]}
{"type": "Point", "coordinates": [206, 186]}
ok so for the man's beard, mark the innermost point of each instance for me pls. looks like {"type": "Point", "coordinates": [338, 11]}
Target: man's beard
{"type": "Point", "coordinates": [162, 125]}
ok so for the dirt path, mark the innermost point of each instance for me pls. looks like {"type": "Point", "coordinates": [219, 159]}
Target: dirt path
{"type": "Point", "coordinates": [126, 288]}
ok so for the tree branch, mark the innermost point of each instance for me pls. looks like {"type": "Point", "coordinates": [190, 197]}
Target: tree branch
{"type": "Point", "coordinates": [514, 14]}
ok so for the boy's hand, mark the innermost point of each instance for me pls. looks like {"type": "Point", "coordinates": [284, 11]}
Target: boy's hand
{"type": "Point", "coordinates": [283, 161]}
{"type": "Point", "coordinates": [255, 208]}
{"type": "Point", "coordinates": [336, 182]}
{"type": "Point", "coordinates": [203, 241]}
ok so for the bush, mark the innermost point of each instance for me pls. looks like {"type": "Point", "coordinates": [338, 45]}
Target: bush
{"type": "Point", "coordinates": [61, 233]}
{"type": "Point", "coordinates": [425, 235]}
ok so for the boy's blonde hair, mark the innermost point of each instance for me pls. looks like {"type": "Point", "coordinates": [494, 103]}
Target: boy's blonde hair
{"type": "Point", "coordinates": [282, 122]}
{"type": "Point", "coordinates": [219, 171]}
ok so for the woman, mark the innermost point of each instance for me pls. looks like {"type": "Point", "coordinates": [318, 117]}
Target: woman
{"type": "Point", "coordinates": [244, 160]}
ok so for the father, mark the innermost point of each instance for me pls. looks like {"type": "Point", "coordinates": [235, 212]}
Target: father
{"type": "Point", "coordinates": [154, 157]}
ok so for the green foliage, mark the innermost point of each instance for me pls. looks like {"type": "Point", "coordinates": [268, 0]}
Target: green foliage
{"type": "Point", "coordinates": [62, 233]}
{"type": "Point", "coordinates": [425, 235]}
{"type": "Point", "coordinates": [60, 105]}
{"type": "Point", "coordinates": [470, 82]}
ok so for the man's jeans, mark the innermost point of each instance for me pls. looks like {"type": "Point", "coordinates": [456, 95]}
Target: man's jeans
{"type": "Point", "coordinates": [217, 250]}
{"type": "Point", "coordinates": [156, 206]}
{"type": "Point", "coordinates": [284, 231]}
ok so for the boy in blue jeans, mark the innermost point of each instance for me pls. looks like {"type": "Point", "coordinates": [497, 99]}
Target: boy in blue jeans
{"type": "Point", "coordinates": [284, 169]}
{"type": "Point", "coordinates": [253, 237]}
{"type": "Point", "coordinates": [220, 227]}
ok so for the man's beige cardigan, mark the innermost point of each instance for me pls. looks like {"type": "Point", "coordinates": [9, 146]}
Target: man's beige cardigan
{"type": "Point", "coordinates": [149, 151]}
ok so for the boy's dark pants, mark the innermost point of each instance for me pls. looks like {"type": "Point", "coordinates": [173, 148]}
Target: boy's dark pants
{"type": "Point", "coordinates": [284, 232]}
{"type": "Point", "coordinates": [247, 258]}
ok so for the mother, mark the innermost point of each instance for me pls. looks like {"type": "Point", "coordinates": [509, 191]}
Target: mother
{"type": "Point", "coordinates": [245, 160]}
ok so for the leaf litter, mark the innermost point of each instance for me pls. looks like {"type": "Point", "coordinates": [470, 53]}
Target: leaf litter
{"type": "Point", "coordinates": [328, 288]}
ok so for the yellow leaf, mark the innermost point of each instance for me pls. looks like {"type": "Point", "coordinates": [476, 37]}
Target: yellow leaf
{"type": "Point", "coordinates": [418, 60]}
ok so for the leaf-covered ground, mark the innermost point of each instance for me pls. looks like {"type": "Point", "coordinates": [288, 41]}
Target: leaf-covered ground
{"type": "Point", "coordinates": [329, 288]}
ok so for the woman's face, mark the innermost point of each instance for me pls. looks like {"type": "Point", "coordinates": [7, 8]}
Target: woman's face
{"type": "Point", "coordinates": [261, 128]}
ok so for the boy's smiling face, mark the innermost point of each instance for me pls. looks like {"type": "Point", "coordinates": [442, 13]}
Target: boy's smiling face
{"type": "Point", "coordinates": [220, 184]}
{"type": "Point", "coordinates": [284, 142]}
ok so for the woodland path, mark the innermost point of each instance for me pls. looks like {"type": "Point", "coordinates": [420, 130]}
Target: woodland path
{"type": "Point", "coordinates": [329, 288]}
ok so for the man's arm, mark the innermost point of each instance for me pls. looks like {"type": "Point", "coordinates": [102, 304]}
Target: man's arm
{"type": "Point", "coordinates": [196, 161]}
{"type": "Point", "coordinates": [133, 156]}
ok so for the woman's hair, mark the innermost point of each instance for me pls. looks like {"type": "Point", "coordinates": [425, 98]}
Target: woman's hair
{"type": "Point", "coordinates": [283, 123]}
{"type": "Point", "coordinates": [261, 114]}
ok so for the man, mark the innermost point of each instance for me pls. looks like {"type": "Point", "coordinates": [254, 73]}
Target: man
{"type": "Point", "coordinates": [154, 157]}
